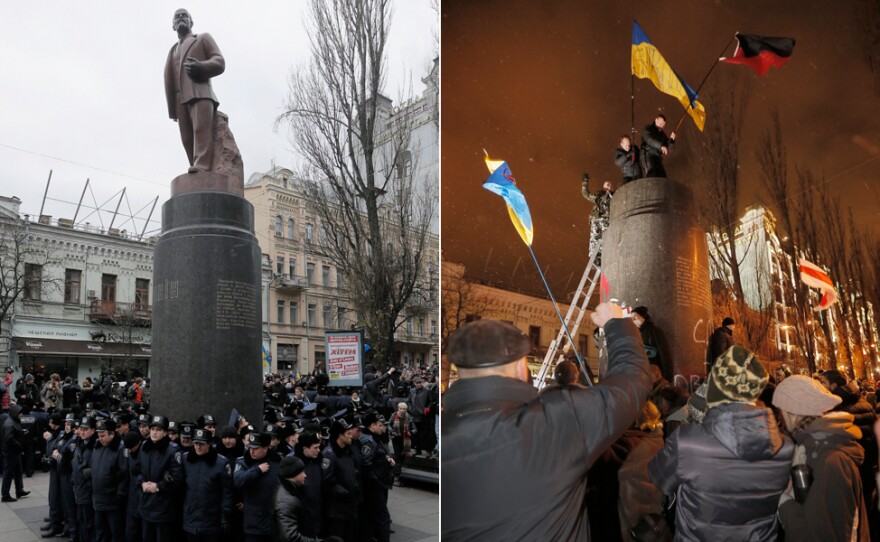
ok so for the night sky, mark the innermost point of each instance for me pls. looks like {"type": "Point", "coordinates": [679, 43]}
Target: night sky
{"type": "Point", "coordinates": [546, 86]}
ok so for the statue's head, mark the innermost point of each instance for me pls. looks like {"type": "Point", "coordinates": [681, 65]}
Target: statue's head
{"type": "Point", "coordinates": [182, 19]}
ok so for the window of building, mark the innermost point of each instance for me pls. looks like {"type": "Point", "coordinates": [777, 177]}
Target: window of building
{"type": "Point", "coordinates": [325, 276]}
{"type": "Point", "coordinates": [328, 316]}
{"type": "Point", "coordinates": [535, 335]}
{"type": "Point", "coordinates": [141, 293]}
{"type": "Point", "coordinates": [72, 282]}
{"type": "Point", "coordinates": [340, 317]}
{"type": "Point", "coordinates": [33, 281]}
{"type": "Point", "coordinates": [309, 229]}
{"type": "Point", "coordinates": [433, 328]}
{"type": "Point", "coordinates": [310, 273]}
{"type": "Point", "coordinates": [420, 327]}
{"type": "Point", "coordinates": [292, 267]}
{"type": "Point", "coordinates": [324, 236]}
{"type": "Point", "coordinates": [404, 165]}
{"type": "Point", "coordinates": [279, 264]}
{"type": "Point", "coordinates": [340, 279]}
{"type": "Point", "coordinates": [108, 288]}
{"type": "Point", "coordinates": [294, 313]}
{"type": "Point", "coordinates": [290, 226]}
{"type": "Point", "coordinates": [281, 311]}
{"type": "Point", "coordinates": [278, 221]}
{"type": "Point", "coordinates": [409, 327]}
{"type": "Point", "coordinates": [584, 345]}
{"type": "Point", "coordinates": [313, 315]}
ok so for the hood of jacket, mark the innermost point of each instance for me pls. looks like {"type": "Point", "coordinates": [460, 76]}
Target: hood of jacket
{"type": "Point", "coordinates": [747, 431]}
{"type": "Point", "coordinates": [834, 429]}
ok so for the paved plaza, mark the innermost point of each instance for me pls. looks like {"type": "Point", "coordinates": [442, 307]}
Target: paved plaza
{"type": "Point", "coordinates": [415, 511]}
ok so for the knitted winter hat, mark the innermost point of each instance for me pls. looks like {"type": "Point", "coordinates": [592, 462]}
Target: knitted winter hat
{"type": "Point", "coordinates": [802, 395]}
{"type": "Point", "coordinates": [736, 377]}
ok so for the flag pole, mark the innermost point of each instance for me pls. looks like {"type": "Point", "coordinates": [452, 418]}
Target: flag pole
{"type": "Point", "coordinates": [632, 94]}
{"type": "Point", "coordinates": [584, 369]}
{"type": "Point", "coordinates": [711, 68]}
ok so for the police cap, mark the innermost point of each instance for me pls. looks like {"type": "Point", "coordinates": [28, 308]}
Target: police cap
{"type": "Point", "coordinates": [87, 421]}
{"type": "Point", "coordinates": [158, 421]}
{"type": "Point", "coordinates": [106, 424]}
{"type": "Point", "coordinates": [201, 435]}
{"type": "Point", "coordinates": [487, 343]}
{"type": "Point", "coordinates": [258, 440]}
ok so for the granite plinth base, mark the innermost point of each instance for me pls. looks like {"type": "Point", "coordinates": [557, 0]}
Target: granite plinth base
{"type": "Point", "coordinates": [655, 254]}
{"type": "Point", "coordinates": [206, 351]}
{"type": "Point", "coordinates": [202, 181]}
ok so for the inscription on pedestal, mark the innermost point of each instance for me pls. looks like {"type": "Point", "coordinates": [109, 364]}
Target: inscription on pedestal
{"type": "Point", "coordinates": [688, 290]}
{"type": "Point", "coordinates": [236, 305]}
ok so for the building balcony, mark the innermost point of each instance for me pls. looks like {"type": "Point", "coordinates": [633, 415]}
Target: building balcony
{"type": "Point", "coordinates": [289, 284]}
{"type": "Point", "coordinates": [415, 339]}
{"type": "Point", "coordinates": [120, 314]}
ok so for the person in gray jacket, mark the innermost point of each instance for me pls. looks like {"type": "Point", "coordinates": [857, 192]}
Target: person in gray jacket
{"type": "Point", "coordinates": [728, 472]}
{"type": "Point", "coordinates": [292, 518]}
{"type": "Point", "coordinates": [514, 463]}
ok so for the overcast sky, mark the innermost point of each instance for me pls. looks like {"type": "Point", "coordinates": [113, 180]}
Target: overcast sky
{"type": "Point", "coordinates": [83, 95]}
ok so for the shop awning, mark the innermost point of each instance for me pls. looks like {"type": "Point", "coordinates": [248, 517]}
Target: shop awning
{"type": "Point", "coordinates": [25, 345]}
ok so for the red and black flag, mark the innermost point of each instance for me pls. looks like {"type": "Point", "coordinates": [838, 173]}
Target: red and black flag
{"type": "Point", "coordinates": [759, 52]}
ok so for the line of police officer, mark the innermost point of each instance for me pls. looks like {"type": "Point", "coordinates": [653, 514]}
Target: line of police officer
{"type": "Point", "coordinates": [117, 478]}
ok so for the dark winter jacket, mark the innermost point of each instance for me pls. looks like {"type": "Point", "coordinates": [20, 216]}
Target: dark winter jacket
{"type": "Point", "coordinates": [341, 483]}
{"type": "Point", "coordinates": [720, 340]}
{"type": "Point", "coordinates": [257, 491]}
{"type": "Point", "coordinates": [656, 348]}
{"type": "Point", "coordinates": [311, 490]}
{"type": "Point", "coordinates": [11, 434]}
{"type": "Point", "coordinates": [132, 465]}
{"type": "Point", "coordinates": [82, 470]}
{"type": "Point", "coordinates": [377, 473]}
{"type": "Point", "coordinates": [727, 473]}
{"type": "Point", "coordinates": [292, 519]}
{"type": "Point", "coordinates": [834, 503]}
{"type": "Point", "coordinates": [160, 462]}
{"type": "Point", "coordinates": [419, 400]}
{"type": "Point", "coordinates": [109, 485]}
{"type": "Point", "coordinates": [524, 458]}
{"type": "Point", "coordinates": [653, 140]}
{"type": "Point", "coordinates": [208, 492]}
{"type": "Point", "coordinates": [628, 161]}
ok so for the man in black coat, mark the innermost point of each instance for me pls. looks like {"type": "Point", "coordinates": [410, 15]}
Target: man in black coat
{"type": "Point", "coordinates": [655, 145]}
{"type": "Point", "coordinates": [341, 483]}
{"type": "Point", "coordinates": [719, 342]}
{"type": "Point", "coordinates": [11, 443]}
{"type": "Point", "coordinates": [208, 502]}
{"type": "Point", "coordinates": [109, 488]}
{"type": "Point", "coordinates": [308, 449]}
{"type": "Point", "coordinates": [514, 463]}
{"type": "Point", "coordinates": [82, 478]}
{"type": "Point", "coordinates": [378, 476]}
{"type": "Point", "coordinates": [54, 437]}
{"type": "Point", "coordinates": [256, 477]}
{"type": "Point", "coordinates": [160, 477]}
{"type": "Point", "coordinates": [626, 157]}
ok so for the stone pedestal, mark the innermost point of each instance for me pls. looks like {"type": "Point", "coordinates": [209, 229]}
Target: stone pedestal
{"type": "Point", "coordinates": [655, 254]}
{"type": "Point", "coordinates": [206, 310]}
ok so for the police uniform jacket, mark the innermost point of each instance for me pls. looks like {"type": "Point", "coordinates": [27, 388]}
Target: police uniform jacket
{"type": "Point", "coordinates": [377, 471]}
{"type": "Point", "coordinates": [311, 490]}
{"type": "Point", "coordinates": [108, 476]}
{"type": "Point", "coordinates": [292, 520]}
{"type": "Point", "coordinates": [518, 462]}
{"type": "Point", "coordinates": [160, 462]}
{"type": "Point", "coordinates": [208, 492]}
{"type": "Point", "coordinates": [11, 433]}
{"type": "Point", "coordinates": [132, 465]}
{"type": "Point", "coordinates": [57, 442]}
{"type": "Point", "coordinates": [67, 452]}
{"type": "Point", "coordinates": [258, 491]}
{"type": "Point", "coordinates": [341, 483]}
{"type": "Point", "coordinates": [82, 470]}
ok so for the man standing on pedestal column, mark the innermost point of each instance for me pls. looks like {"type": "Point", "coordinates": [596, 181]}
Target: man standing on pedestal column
{"type": "Point", "coordinates": [191, 64]}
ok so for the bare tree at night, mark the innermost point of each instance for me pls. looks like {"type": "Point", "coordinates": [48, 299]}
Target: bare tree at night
{"type": "Point", "coordinates": [357, 166]}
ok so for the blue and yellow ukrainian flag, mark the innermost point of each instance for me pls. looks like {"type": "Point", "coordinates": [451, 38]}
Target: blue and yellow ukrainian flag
{"type": "Point", "coordinates": [648, 63]}
{"type": "Point", "coordinates": [501, 182]}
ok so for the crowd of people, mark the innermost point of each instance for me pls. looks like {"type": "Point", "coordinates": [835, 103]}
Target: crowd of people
{"type": "Point", "coordinates": [745, 455]}
{"type": "Point", "coordinates": [320, 467]}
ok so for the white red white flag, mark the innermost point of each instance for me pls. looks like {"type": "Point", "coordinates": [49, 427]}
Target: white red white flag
{"type": "Point", "coordinates": [813, 276]}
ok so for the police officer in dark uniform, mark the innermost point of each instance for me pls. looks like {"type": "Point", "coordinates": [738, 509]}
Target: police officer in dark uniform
{"type": "Point", "coordinates": [514, 463]}
{"type": "Point", "coordinates": [66, 446]}
{"type": "Point", "coordinates": [378, 476]}
{"type": "Point", "coordinates": [160, 480]}
{"type": "Point", "coordinates": [208, 501]}
{"type": "Point", "coordinates": [131, 444]}
{"type": "Point", "coordinates": [341, 483]}
{"type": "Point", "coordinates": [82, 478]}
{"type": "Point", "coordinates": [108, 483]}
{"type": "Point", "coordinates": [308, 448]}
{"type": "Point", "coordinates": [55, 440]}
{"type": "Point", "coordinates": [256, 477]}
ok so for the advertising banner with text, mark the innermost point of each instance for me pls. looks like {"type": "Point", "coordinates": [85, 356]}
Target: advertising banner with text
{"type": "Point", "coordinates": [345, 357]}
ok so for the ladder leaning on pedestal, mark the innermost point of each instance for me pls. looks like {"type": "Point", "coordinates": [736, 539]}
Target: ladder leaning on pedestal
{"type": "Point", "coordinates": [573, 318]}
